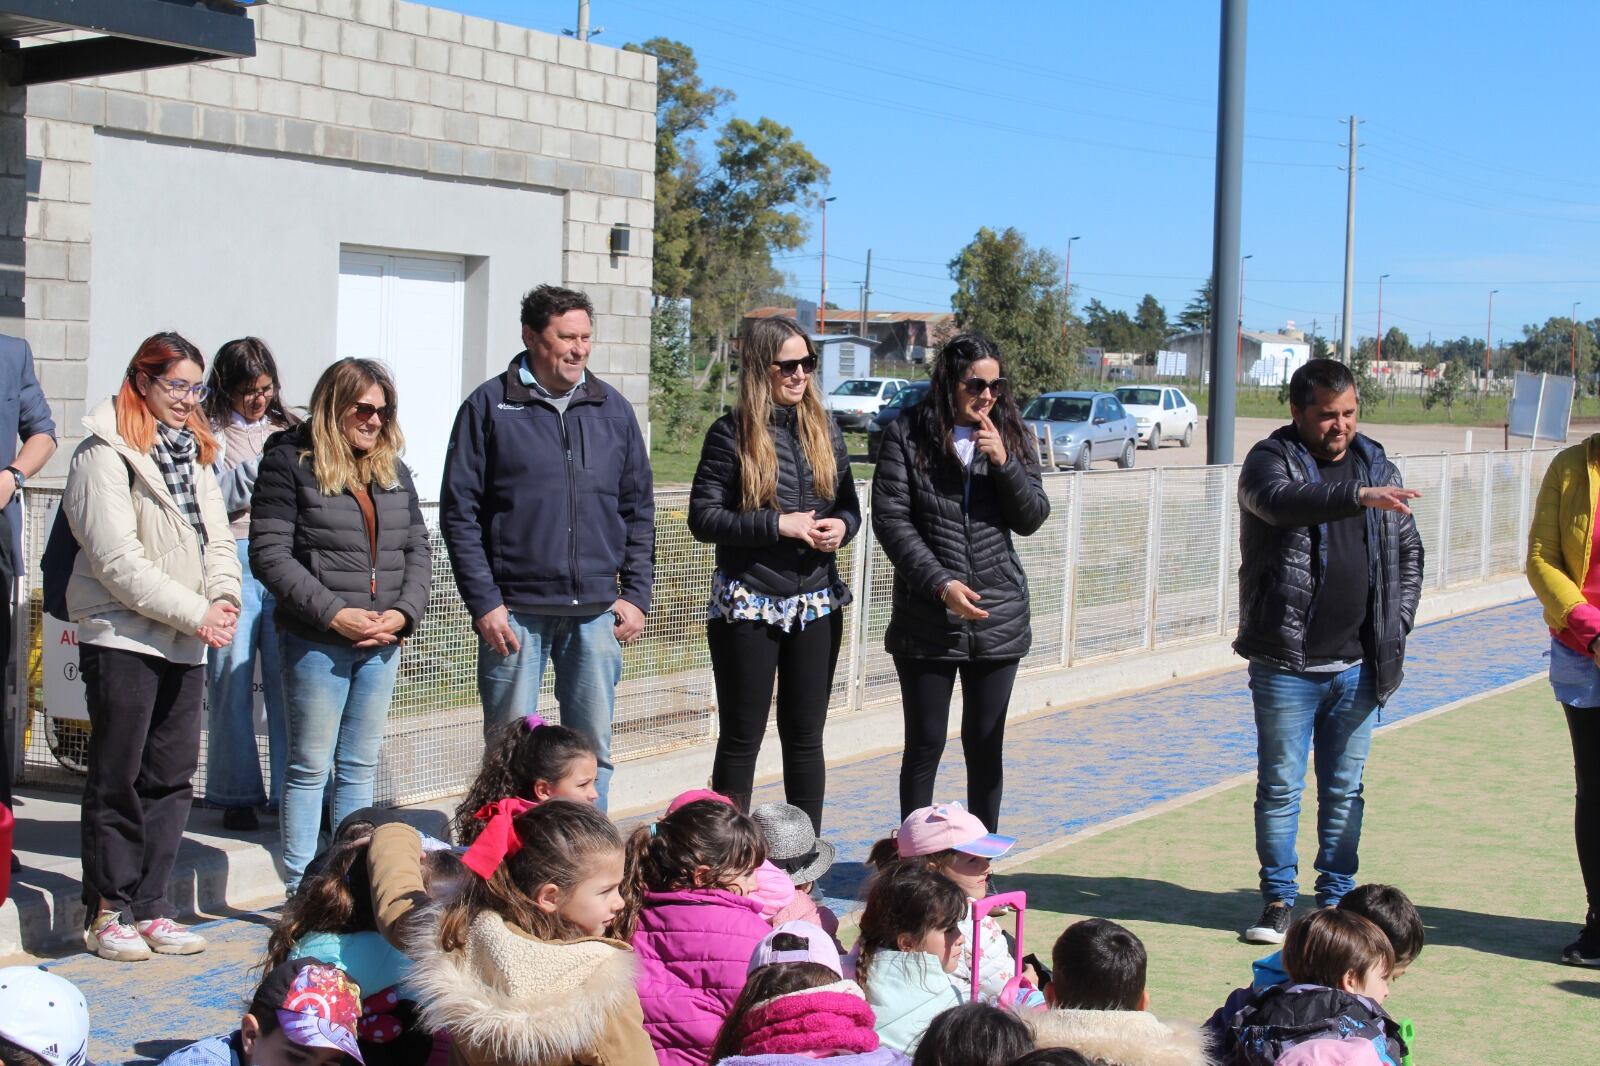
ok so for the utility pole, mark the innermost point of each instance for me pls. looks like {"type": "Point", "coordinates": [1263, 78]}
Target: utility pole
{"type": "Point", "coordinates": [583, 20]}
{"type": "Point", "coordinates": [1380, 318]}
{"type": "Point", "coordinates": [1238, 354]}
{"type": "Point", "coordinates": [1225, 264]}
{"type": "Point", "coordinates": [822, 301]}
{"type": "Point", "coordinates": [1575, 304]}
{"type": "Point", "coordinates": [1349, 245]}
{"type": "Point", "coordinates": [866, 297]}
{"type": "Point", "coordinates": [1067, 289]}
{"type": "Point", "coordinates": [1487, 333]}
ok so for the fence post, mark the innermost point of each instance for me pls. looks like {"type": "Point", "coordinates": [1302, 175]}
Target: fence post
{"type": "Point", "coordinates": [1225, 529]}
{"type": "Point", "coordinates": [1152, 564]}
{"type": "Point", "coordinates": [1444, 523]}
{"type": "Point", "coordinates": [1524, 502]}
{"type": "Point", "coordinates": [860, 575]}
{"type": "Point", "coordinates": [1069, 623]}
{"type": "Point", "coordinates": [1487, 526]}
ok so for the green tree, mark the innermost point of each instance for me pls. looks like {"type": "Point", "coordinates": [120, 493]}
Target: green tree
{"type": "Point", "coordinates": [1548, 348]}
{"type": "Point", "coordinates": [1112, 330]}
{"type": "Point", "coordinates": [1197, 315]}
{"type": "Point", "coordinates": [1320, 348]}
{"type": "Point", "coordinates": [1447, 387]}
{"type": "Point", "coordinates": [1397, 346]}
{"type": "Point", "coordinates": [1151, 320]}
{"type": "Point", "coordinates": [1010, 292]}
{"type": "Point", "coordinates": [1369, 390]}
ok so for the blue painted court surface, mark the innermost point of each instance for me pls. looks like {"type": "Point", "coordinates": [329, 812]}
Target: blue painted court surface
{"type": "Point", "coordinates": [1065, 771]}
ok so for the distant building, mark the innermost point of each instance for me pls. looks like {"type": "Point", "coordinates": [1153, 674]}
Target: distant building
{"type": "Point", "coordinates": [907, 335]}
{"type": "Point", "coordinates": [1264, 358]}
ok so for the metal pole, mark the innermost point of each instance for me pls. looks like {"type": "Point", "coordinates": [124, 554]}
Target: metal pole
{"type": "Point", "coordinates": [866, 299]}
{"type": "Point", "coordinates": [1379, 360]}
{"type": "Point", "coordinates": [1488, 332]}
{"type": "Point", "coordinates": [1220, 406]}
{"type": "Point", "coordinates": [1152, 565]}
{"type": "Point", "coordinates": [583, 20]}
{"type": "Point", "coordinates": [1575, 304]}
{"type": "Point", "coordinates": [1066, 289]}
{"type": "Point", "coordinates": [1069, 624]}
{"type": "Point", "coordinates": [1349, 246]}
{"type": "Point", "coordinates": [822, 300]}
{"type": "Point", "coordinates": [1238, 354]}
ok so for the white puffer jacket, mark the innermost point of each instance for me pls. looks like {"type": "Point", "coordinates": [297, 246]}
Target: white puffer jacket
{"type": "Point", "coordinates": [996, 964]}
{"type": "Point", "coordinates": [142, 581]}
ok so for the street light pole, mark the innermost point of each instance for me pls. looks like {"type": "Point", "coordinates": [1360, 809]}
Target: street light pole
{"type": "Point", "coordinates": [1380, 317]}
{"type": "Point", "coordinates": [822, 302]}
{"type": "Point", "coordinates": [1488, 333]}
{"type": "Point", "coordinates": [1067, 288]}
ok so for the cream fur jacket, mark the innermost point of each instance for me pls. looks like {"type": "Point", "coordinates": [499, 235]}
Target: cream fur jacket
{"type": "Point", "coordinates": [1121, 1037]}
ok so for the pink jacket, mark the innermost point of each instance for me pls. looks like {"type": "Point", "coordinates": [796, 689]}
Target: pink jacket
{"type": "Point", "coordinates": [693, 948]}
{"type": "Point", "coordinates": [805, 909]}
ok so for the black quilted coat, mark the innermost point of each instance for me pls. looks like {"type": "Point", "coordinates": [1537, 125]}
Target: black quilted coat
{"type": "Point", "coordinates": [311, 551]}
{"type": "Point", "coordinates": [1283, 543]}
{"type": "Point", "coordinates": [748, 545]}
{"type": "Point", "coordinates": [947, 522]}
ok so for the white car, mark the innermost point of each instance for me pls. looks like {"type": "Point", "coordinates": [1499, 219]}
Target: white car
{"type": "Point", "coordinates": [855, 401]}
{"type": "Point", "coordinates": [1162, 411]}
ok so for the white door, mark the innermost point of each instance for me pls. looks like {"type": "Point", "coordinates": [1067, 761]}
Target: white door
{"type": "Point", "coordinates": [407, 312]}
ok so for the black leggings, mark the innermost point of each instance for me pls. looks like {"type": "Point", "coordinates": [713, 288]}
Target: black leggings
{"type": "Point", "coordinates": [1584, 725]}
{"type": "Point", "coordinates": [925, 689]}
{"type": "Point", "coordinates": [746, 659]}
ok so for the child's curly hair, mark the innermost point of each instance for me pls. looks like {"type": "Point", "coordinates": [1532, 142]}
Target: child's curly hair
{"type": "Point", "coordinates": [667, 854]}
{"type": "Point", "coordinates": [518, 756]}
{"type": "Point", "coordinates": [906, 898]}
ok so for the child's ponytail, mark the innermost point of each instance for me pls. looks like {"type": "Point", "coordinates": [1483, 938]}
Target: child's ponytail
{"type": "Point", "coordinates": [910, 899]}
{"type": "Point", "coordinates": [670, 853]}
{"type": "Point", "coordinates": [518, 754]}
{"type": "Point", "coordinates": [635, 851]}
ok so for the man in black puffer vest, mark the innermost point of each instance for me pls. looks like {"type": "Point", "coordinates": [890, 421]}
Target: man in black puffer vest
{"type": "Point", "coordinates": [1328, 587]}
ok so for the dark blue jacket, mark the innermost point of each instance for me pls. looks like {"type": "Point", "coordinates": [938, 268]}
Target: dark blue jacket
{"type": "Point", "coordinates": [23, 412]}
{"type": "Point", "coordinates": [540, 510]}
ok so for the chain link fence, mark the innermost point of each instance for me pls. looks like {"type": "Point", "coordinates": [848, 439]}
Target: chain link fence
{"type": "Point", "coordinates": [1129, 560]}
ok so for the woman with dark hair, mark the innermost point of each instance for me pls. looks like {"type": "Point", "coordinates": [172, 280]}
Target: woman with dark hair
{"type": "Point", "coordinates": [956, 479]}
{"type": "Point", "coordinates": [337, 537]}
{"type": "Point", "coordinates": [774, 493]}
{"type": "Point", "coordinates": [154, 584]}
{"type": "Point", "coordinates": [244, 409]}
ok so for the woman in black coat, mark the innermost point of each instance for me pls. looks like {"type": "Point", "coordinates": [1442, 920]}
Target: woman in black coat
{"type": "Point", "coordinates": [956, 478]}
{"type": "Point", "coordinates": [774, 493]}
{"type": "Point", "coordinates": [337, 537]}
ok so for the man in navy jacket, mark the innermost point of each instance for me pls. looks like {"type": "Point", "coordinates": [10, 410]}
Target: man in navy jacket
{"type": "Point", "coordinates": [548, 510]}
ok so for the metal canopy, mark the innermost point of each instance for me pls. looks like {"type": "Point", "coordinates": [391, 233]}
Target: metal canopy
{"type": "Point", "coordinates": [130, 35]}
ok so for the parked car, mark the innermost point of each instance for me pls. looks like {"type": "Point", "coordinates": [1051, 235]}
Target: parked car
{"type": "Point", "coordinates": [903, 401]}
{"type": "Point", "coordinates": [1083, 428]}
{"type": "Point", "coordinates": [1163, 413]}
{"type": "Point", "coordinates": [855, 401]}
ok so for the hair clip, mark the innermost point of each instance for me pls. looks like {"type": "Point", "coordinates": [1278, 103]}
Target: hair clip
{"type": "Point", "coordinates": [652, 830]}
{"type": "Point", "coordinates": [533, 721]}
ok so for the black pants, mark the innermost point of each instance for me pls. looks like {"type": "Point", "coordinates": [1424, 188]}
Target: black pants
{"type": "Point", "coordinates": [747, 658]}
{"type": "Point", "coordinates": [1584, 725]}
{"type": "Point", "coordinates": [925, 689]}
{"type": "Point", "coordinates": [144, 746]}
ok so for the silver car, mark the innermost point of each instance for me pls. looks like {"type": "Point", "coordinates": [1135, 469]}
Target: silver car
{"type": "Point", "coordinates": [1082, 428]}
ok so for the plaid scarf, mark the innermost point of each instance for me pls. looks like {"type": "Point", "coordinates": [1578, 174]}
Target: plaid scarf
{"type": "Point", "coordinates": [174, 453]}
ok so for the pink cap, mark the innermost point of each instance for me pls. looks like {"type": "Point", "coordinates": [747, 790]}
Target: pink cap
{"type": "Point", "coordinates": [819, 947]}
{"type": "Point", "coordinates": [1351, 1051]}
{"type": "Point", "coordinates": [694, 795]}
{"type": "Point", "coordinates": [949, 827]}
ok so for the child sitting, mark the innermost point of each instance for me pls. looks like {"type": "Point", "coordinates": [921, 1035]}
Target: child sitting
{"type": "Point", "coordinates": [44, 1020]}
{"type": "Point", "coordinates": [531, 760]}
{"type": "Point", "coordinates": [772, 889]}
{"type": "Point", "coordinates": [1101, 1006]}
{"type": "Point", "coordinates": [953, 842]}
{"type": "Point", "coordinates": [691, 919]}
{"type": "Point", "coordinates": [974, 1034]}
{"type": "Point", "coordinates": [1339, 965]}
{"type": "Point", "coordinates": [517, 966]}
{"type": "Point", "coordinates": [794, 847]}
{"type": "Point", "coordinates": [910, 941]}
{"type": "Point", "coordinates": [304, 1011]}
{"type": "Point", "coordinates": [797, 1007]}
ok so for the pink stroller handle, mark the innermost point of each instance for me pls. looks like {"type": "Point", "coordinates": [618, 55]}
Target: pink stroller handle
{"type": "Point", "coordinates": [980, 910]}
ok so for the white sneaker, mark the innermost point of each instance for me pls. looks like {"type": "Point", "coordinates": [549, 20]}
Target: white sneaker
{"type": "Point", "coordinates": [167, 937]}
{"type": "Point", "coordinates": [112, 938]}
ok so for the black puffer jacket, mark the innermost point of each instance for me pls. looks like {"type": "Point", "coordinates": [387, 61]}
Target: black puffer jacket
{"type": "Point", "coordinates": [312, 552]}
{"type": "Point", "coordinates": [1283, 542]}
{"type": "Point", "coordinates": [1286, 1016]}
{"type": "Point", "coordinates": [945, 523]}
{"type": "Point", "coordinates": [748, 545]}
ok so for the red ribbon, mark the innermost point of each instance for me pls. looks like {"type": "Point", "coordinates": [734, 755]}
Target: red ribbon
{"type": "Point", "coordinates": [498, 837]}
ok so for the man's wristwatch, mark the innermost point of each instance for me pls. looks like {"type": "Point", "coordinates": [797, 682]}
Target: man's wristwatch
{"type": "Point", "coordinates": [18, 476]}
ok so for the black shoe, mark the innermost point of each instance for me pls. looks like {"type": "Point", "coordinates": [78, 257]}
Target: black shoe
{"type": "Point", "coordinates": [1585, 951]}
{"type": "Point", "coordinates": [1273, 924]}
{"type": "Point", "coordinates": [240, 819]}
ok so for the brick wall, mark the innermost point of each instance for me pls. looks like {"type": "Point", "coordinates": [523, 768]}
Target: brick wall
{"type": "Point", "coordinates": [375, 83]}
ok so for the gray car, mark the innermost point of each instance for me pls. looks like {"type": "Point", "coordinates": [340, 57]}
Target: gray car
{"type": "Point", "coordinates": [1083, 428]}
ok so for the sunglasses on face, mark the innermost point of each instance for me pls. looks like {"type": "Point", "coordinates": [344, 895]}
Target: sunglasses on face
{"type": "Point", "coordinates": [978, 386]}
{"type": "Point", "coordinates": [365, 411]}
{"type": "Point", "coordinates": [177, 389]}
{"type": "Point", "coordinates": [787, 367]}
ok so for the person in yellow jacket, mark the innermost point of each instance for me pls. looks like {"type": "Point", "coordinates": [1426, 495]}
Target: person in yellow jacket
{"type": "Point", "coordinates": [1562, 571]}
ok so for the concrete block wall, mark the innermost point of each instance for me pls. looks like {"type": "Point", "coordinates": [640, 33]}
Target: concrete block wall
{"type": "Point", "coordinates": [364, 83]}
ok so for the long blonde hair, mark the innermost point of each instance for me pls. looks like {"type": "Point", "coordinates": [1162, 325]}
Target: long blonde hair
{"type": "Point", "coordinates": [759, 344]}
{"type": "Point", "coordinates": [336, 465]}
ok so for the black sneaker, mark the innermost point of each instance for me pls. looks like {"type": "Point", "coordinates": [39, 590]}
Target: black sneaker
{"type": "Point", "coordinates": [240, 819]}
{"type": "Point", "coordinates": [1272, 926]}
{"type": "Point", "coordinates": [1584, 951]}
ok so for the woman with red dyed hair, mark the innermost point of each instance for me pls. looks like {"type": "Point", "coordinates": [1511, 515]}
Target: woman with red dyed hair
{"type": "Point", "coordinates": [155, 583]}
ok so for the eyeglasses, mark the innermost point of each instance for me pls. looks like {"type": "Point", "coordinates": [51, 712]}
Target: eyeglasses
{"type": "Point", "coordinates": [978, 386]}
{"type": "Point", "coordinates": [365, 411]}
{"type": "Point", "coordinates": [264, 393]}
{"type": "Point", "coordinates": [177, 389]}
{"type": "Point", "coordinates": [787, 367]}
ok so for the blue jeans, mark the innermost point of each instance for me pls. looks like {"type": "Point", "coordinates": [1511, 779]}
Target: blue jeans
{"type": "Point", "coordinates": [233, 765]}
{"type": "Point", "coordinates": [337, 700]}
{"type": "Point", "coordinates": [588, 662]}
{"type": "Point", "coordinates": [1293, 711]}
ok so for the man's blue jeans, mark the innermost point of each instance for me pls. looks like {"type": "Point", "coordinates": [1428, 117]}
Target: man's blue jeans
{"type": "Point", "coordinates": [233, 765]}
{"type": "Point", "coordinates": [337, 700]}
{"type": "Point", "coordinates": [1294, 711]}
{"type": "Point", "coordinates": [588, 662]}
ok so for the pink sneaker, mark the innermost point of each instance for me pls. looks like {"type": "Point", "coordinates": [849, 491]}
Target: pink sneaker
{"type": "Point", "coordinates": [167, 937]}
{"type": "Point", "coordinates": [112, 938]}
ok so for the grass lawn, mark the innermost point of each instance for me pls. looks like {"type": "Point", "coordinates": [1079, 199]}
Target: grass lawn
{"type": "Point", "coordinates": [1470, 812]}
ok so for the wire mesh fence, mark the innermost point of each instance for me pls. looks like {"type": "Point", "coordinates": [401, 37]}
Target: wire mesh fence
{"type": "Point", "coordinates": [1128, 560]}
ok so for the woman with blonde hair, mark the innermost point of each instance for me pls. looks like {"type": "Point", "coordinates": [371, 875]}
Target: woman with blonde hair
{"type": "Point", "coordinates": [337, 538]}
{"type": "Point", "coordinates": [774, 493]}
{"type": "Point", "coordinates": [155, 583]}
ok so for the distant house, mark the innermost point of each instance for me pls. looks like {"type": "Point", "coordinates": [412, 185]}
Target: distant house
{"type": "Point", "coordinates": [1264, 358]}
{"type": "Point", "coordinates": [907, 335]}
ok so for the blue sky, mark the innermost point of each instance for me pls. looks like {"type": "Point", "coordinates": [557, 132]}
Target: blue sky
{"type": "Point", "coordinates": [1096, 119]}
